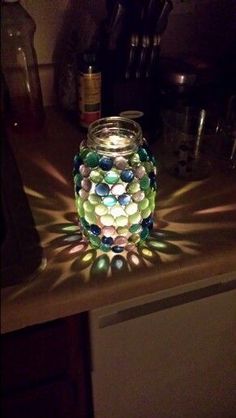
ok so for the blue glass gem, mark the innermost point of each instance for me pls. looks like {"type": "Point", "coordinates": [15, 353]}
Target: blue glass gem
{"type": "Point", "coordinates": [95, 229]}
{"type": "Point", "coordinates": [106, 163]}
{"type": "Point", "coordinates": [77, 162]}
{"type": "Point", "coordinates": [77, 188]}
{"type": "Point", "coordinates": [109, 201]}
{"type": "Point", "coordinates": [152, 177]}
{"type": "Point", "coordinates": [149, 152]}
{"type": "Point", "coordinates": [117, 249]}
{"type": "Point", "coordinates": [124, 199]}
{"type": "Point", "coordinates": [127, 176]}
{"type": "Point", "coordinates": [107, 240]}
{"type": "Point", "coordinates": [102, 189]}
{"type": "Point", "coordinates": [147, 222]}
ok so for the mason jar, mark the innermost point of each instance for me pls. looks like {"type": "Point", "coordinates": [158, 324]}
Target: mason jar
{"type": "Point", "coordinates": [115, 185]}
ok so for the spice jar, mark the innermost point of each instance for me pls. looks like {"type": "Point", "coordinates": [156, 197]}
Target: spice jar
{"type": "Point", "coordinates": [115, 185]}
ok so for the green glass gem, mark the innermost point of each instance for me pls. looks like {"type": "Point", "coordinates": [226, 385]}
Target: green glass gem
{"type": "Point", "coordinates": [77, 179]}
{"type": "Point", "coordinates": [95, 241]}
{"type": "Point", "coordinates": [105, 247]}
{"type": "Point", "coordinates": [79, 206]}
{"type": "Point", "coordinates": [92, 159]}
{"type": "Point", "coordinates": [143, 155]}
{"type": "Point", "coordinates": [143, 204]}
{"type": "Point", "coordinates": [144, 182]}
{"type": "Point", "coordinates": [84, 152]}
{"type": "Point", "coordinates": [122, 230]}
{"type": "Point", "coordinates": [135, 238]}
{"type": "Point", "coordinates": [149, 192]}
{"type": "Point", "coordinates": [111, 177]}
{"type": "Point", "coordinates": [148, 166]}
{"type": "Point", "coordinates": [135, 218]}
{"type": "Point", "coordinates": [96, 176]}
{"type": "Point", "coordinates": [135, 228]}
{"type": "Point", "coordinates": [152, 204]}
{"type": "Point", "coordinates": [90, 217]}
{"type": "Point", "coordinates": [144, 234]}
{"type": "Point", "coordinates": [101, 209]}
{"type": "Point", "coordinates": [81, 212]}
{"type": "Point", "coordinates": [134, 160]}
{"type": "Point", "coordinates": [146, 212]}
{"type": "Point", "coordinates": [133, 187]}
{"type": "Point", "coordinates": [88, 207]}
{"type": "Point", "coordinates": [84, 223]}
{"type": "Point", "coordinates": [94, 199]}
{"type": "Point", "coordinates": [121, 220]}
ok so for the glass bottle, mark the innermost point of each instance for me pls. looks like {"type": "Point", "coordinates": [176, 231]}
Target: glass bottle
{"type": "Point", "coordinates": [89, 89]}
{"type": "Point", "coordinates": [115, 185]}
{"type": "Point", "coordinates": [19, 67]}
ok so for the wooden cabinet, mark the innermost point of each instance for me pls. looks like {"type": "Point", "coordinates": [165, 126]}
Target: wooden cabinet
{"type": "Point", "coordinates": [46, 371]}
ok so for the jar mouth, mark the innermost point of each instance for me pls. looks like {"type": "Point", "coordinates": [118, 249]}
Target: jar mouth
{"type": "Point", "coordinates": [114, 135]}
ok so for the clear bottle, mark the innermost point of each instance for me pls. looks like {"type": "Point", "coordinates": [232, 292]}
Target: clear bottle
{"type": "Point", "coordinates": [19, 67]}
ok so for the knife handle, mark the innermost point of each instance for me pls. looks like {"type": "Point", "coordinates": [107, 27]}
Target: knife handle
{"type": "Point", "coordinates": [153, 55]}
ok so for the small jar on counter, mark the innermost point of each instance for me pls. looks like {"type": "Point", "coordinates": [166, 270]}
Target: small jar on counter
{"type": "Point", "coordinates": [115, 185]}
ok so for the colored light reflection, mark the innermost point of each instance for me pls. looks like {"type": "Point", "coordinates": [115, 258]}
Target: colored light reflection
{"type": "Point", "coordinates": [217, 209]}
{"type": "Point", "coordinates": [146, 252]}
{"type": "Point", "coordinates": [87, 258]}
{"type": "Point", "coordinates": [49, 168]}
{"type": "Point", "coordinates": [70, 228]}
{"type": "Point", "coordinates": [72, 238]}
{"type": "Point", "coordinates": [78, 248]}
{"type": "Point", "coordinates": [33, 193]}
{"type": "Point", "coordinates": [100, 266]}
{"type": "Point", "coordinates": [134, 259]}
{"type": "Point", "coordinates": [119, 265]}
{"type": "Point", "coordinates": [156, 244]}
{"type": "Point", "coordinates": [186, 188]}
{"type": "Point", "coordinates": [149, 254]}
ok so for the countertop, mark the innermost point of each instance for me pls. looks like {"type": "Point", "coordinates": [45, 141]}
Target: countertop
{"type": "Point", "coordinates": [193, 243]}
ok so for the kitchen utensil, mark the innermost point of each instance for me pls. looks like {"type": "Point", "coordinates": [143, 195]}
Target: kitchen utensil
{"type": "Point", "coordinates": [143, 56]}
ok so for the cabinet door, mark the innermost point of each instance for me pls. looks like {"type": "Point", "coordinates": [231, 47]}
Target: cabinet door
{"type": "Point", "coordinates": [158, 362]}
{"type": "Point", "coordinates": [55, 400]}
{"type": "Point", "coordinates": [45, 371]}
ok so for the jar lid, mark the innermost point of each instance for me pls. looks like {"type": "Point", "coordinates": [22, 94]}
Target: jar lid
{"type": "Point", "coordinates": [132, 114]}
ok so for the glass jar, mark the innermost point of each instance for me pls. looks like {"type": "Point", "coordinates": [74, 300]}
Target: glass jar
{"type": "Point", "coordinates": [115, 185]}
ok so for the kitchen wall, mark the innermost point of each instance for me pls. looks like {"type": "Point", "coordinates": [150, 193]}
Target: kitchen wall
{"type": "Point", "coordinates": [196, 27]}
